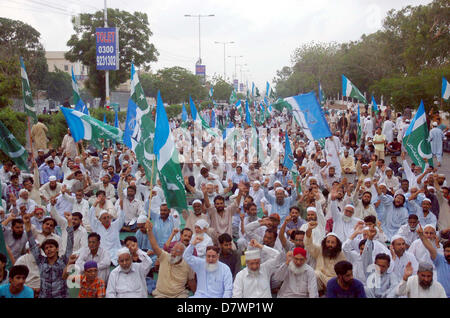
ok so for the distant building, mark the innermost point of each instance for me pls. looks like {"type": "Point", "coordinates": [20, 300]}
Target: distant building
{"type": "Point", "coordinates": [57, 59]}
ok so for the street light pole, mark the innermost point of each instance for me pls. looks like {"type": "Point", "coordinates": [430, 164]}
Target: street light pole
{"type": "Point", "coordinates": [199, 16]}
{"type": "Point", "coordinates": [235, 64]}
{"type": "Point", "coordinates": [224, 55]}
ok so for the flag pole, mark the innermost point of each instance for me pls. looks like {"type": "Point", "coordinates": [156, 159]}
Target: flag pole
{"type": "Point", "coordinates": [29, 134]}
{"type": "Point", "coordinates": [151, 190]}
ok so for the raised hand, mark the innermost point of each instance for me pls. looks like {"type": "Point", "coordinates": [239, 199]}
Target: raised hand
{"type": "Point", "coordinates": [312, 225]}
{"type": "Point", "coordinates": [408, 271]}
{"type": "Point", "coordinates": [289, 257]}
{"type": "Point", "coordinates": [197, 240]}
{"type": "Point", "coordinates": [148, 225]}
{"type": "Point", "coordinates": [73, 258]}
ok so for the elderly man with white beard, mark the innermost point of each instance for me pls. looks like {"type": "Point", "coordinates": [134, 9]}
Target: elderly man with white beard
{"type": "Point", "coordinates": [174, 273]}
{"type": "Point", "coordinates": [419, 250]}
{"type": "Point", "coordinates": [421, 285]}
{"type": "Point", "coordinates": [299, 279]}
{"type": "Point", "coordinates": [128, 279]}
{"type": "Point", "coordinates": [214, 278]}
{"type": "Point", "coordinates": [254, 280]}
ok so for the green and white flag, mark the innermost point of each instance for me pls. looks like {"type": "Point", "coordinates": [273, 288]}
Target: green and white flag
{"type": "Point", "coordinates": [30, 110]}
{"type": "Point", "coordinates": [233, 97]}
{"type": "Point", "coordinates": [416, 139]}
{"type": "Point", "coordinates": [199, 119]}
{"type": "Point", "coordinates": [139, 126]}
{"type": "Point", "coordinates": [12, 148]}
{"type": "Point", "coordinates": [167, 160]}
{"type": "Point", "coordinates": [350, 90]}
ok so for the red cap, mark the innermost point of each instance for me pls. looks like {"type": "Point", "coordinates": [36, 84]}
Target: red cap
{"type": "Point", "coordinates": [299, 250]}
{"type": "Point", "coordinates": [275, 216]}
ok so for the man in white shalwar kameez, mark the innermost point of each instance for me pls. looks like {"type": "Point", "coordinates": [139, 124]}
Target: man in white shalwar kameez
{"type": "Point", "coordinates": [254, 280]}
{"type": "Point", "coordinates": [388, 130]}
{"type": "Point", "coordinates": [436, 140]}
{"type": "Point", "coordinates": [421, 285]}
{"type": "Point", "coordinates": [332, 148]}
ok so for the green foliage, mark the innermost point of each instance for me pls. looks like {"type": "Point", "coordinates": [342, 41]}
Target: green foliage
{"type": "Point", "coordinates": [59, 85]}
{"type": "Point", "coordinates": [134, 45]}
{"type": "Point", "coordinates": [20, 39]}
{"type": "Point", "coordinates": [174, 83]}
{"type": "Point", "coordinates": [222, 89]}
{"type": "Point", "coordinates": [404, 61]}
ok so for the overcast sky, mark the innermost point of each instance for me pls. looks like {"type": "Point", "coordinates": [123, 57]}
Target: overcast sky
{"type": "Point", "coordinates": [265, 32]}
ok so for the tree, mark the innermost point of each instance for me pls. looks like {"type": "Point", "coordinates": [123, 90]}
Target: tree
{"type": "Point", "coordinates": [134, 45]}
{"type": "Point", "coordinates": [222, 89]}
{"type": "Point", "coordinates": [175, 84]}
{"type": "Point", "coordinates": [20, 39]}
{"type": "Point", "coordinates": [59, 85]}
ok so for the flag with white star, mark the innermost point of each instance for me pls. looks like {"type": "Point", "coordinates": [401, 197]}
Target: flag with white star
{"type": "Point", "coordinates": [30, 110]}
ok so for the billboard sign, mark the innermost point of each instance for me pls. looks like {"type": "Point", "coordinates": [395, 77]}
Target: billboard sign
{"type": "Point", "coordinates": [235, 84]}
{"type": "Point", "coordinates": [107, 48]}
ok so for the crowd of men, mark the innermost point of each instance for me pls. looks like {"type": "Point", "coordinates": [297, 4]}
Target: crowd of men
{"type": "Point", "coordinates": [350, 219]}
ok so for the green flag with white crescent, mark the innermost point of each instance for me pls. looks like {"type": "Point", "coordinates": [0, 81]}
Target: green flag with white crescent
{"type": "Point", "coordinates": [233, 97]}
{"type": "Point", "coordinates": [12, 148]}
{"type": "Point", "coordinates": [416, 139]}
{"type": "Point", "coordinates": [30, 110]}
{"type": "Point", "coordinates": [350, 90]}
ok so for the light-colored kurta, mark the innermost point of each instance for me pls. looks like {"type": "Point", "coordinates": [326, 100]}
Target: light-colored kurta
{"type": "Point", "coordinates": [302, 285]}
{"type": "Point", "coordinates": [412, 289]}
{"type": "Point", "coordinates": [68, 144]}
{"type": "Point", "coordinates": [436, 138]}
{"type": "Point", "coordinates": [332, 147]}
{"type": "Point", "coordinates": [388, 130]}
{"type": "Point", "coordinates": [38, 134]}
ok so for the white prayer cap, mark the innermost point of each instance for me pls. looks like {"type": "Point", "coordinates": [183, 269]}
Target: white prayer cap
{"type": "Point", "coordinates": [387, 169]}
{"type": "Point", "coordinates": [430, 225]}
{"type": "Point", "coordinates": [276, 182]}
{"type": "Point", "coordinates": [350, 206]}
{"type": "Point", "coordinates": [431, 188]}
{"type": "Point", "coordinates": [196, 201]}
{"type": "Point", "coordinates": [279, 188]}
{"type": "Point", "coordinates": [435, 124]}
{"type": "Point", "coordinates": [102, 212]}
{"type": "Point", "coordinates": [441, 175]}
{"type": "Point", "coordinates": [256, 182]}
{"type": "Point", "coordinates": [311, 208]}
{"type": "Point", "coordinates": [396, 237]}
{"type": "Point", "coordinates": [331, 234]}
{"type": "Point", "coordinates": [210, 183]}
{"type": "Point", "coordinates": [323, 160]}
{"type": "Point", "coordinates": [367, 180]}
{"type": "Point", "coordinates": [382, 184]}
{"type": "Point", "coordinates": [425, 267]}
{"type": "Point", "coordinates": [123, 250]}
{"type": "Point", "coordinates": [22, 191]}
{"type": "Point", "coordinates": [365, 165]}
{"type": "Point", "coordinates": [41, 150]}
{"type": "Point", "coordinates": [312, 178]}
{"type": "Point", "coordinates": [252, 254]}
{"type": "Point", "coordinates": [426, 199]}
{"type": "Point", "coordinates": [202, 224]}
{"type": "Point", "coordinates": [125, 163]}
{"type": "Point", "coordinates": [52, 178]}
{"type": "Point", "coordinates": [142, 218]}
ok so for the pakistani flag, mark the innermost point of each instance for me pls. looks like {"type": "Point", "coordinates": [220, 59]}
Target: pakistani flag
{"type": "Point", "coordinates": [30, 110]}
{"type": "Point", "coordinates": [374, 105]}
{"type": "Point", "coordinates": [288, 157]}
{"type": "Point", "coordinates": [272, 94]}
{"type": "Point", "coordinates": [239, 106]}
{"type": "Point", "coordinates": [233, 97]}
{"type": "Point", "coordinates": [280, 104]}
{"type": "Point", "coordinates": [139, 126]}
{"type": "Point", "coordinates": [416, 139]}
{"type": "Point", "coordinates": [12, 148]}
{"type": "Point", "coordinates": [86, 127]}
{"type": "Point", "coordinates": [350, 90]}
{"type": "Point", "coordinates": [359, 129]}
{"type": "Point", "coordinates": [79, 104]}
{"type": "Point", "coordinates": [445, 89]}
{"type": "Point", "coordinates": [168, 164]}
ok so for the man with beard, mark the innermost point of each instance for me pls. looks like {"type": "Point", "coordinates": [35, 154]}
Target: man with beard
{"type": "Point", "coordinates": [214, 278]}
{"type": "Point", "coordinates": [229, 256]}
{"type": "Point", "coordinates": [441, 262]}
{"type": "Point", "coordinates": [24, 200]}
{"type": "Point", "coordinates": [174, 273]}
{"type": "Point", "coordinates": [424, 212]}
{"type": "Point", "coordinates": [299, 279]}
{"type": "Point", "coordinates": [163, 224]}
{"type": "Point", "coordinates": [343, 223]}
{"type": "Point", "coordinates": [128, 279]}
{"type": "Point", "coordinates": [280, 202]}
{"type": "Point", "coordinates": [395, 214]}
{"type": "Point", "coordinates": [254, 280]}
{"type": "Point", "coordinates": [80, 236]}
{"type": "Point", "coordinates": [69, 146]}
{"type": "Point", "coordinates": [400, 256]}
{"type": "Point", "coordinates": [421, 285]}
{"type": "Point", "coordinates": [108, 230]}
{"type": "Point", "coordinates": [348, 163]}
{"type": "Point", "coordinates": [50, 190]}
{"type": "Point", "coordinates": [14, 236]}
{"type": "Point", "coordinates": [315, 214]}
{"type": "Point", "coordinates": [418, 249]}
{"type": "Point", "coordinates": [326, 255]}
{"type": "Point", "coordinates": [251, 211]}
{"type": "Point", "coordinates": [363, 171]}
{"type": "Point", "coordinates": [344, 285]}
{"type": "Point", "coordinates": [197, 207]}
{"type": "Point", "coordinates": [363, 206]}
